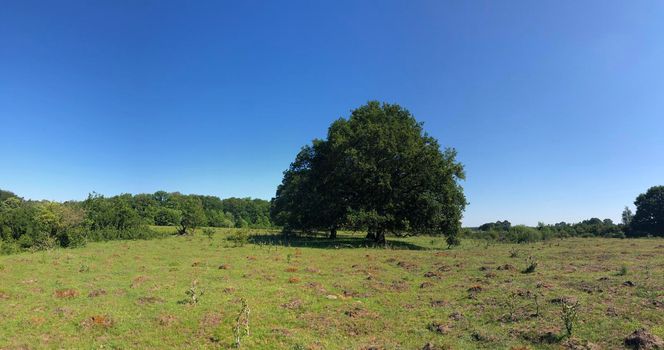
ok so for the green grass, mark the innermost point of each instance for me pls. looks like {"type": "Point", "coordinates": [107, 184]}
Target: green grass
{"type": "Point", "coordinates": [321, 294]}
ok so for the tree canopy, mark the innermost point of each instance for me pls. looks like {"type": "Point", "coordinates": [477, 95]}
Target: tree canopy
{"type": "Point", "coordinates": [378, 171]}
{"type": "Point", "coordinates": [498, 225]}
{"type": "Point", "coordinates": [27, 224]}
{"type": "Point", "coordinates": [649, 217]}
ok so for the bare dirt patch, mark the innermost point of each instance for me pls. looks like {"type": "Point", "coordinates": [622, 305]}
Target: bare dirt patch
{"type": "Point", "coordinates": [407, 265]}
{"type": "Point", "coordinates": [439, 303]}
{"type": "Point", "coordinates": [641, 339]}
{"type": "Point", "coordinates": [426, 284]}
{"type": "Point", "coordinates": [96, 293]}
{"type": "Point", "coordinates": [439, 328]}
{"type": "Point", "coordinates": [66, 293]}
{"type": "Point", "coordinates": [433, 274]}
{"type": "Point", "coordinates": [360, 312]}
{"type": "Point", "coordinates": [212, 319]}
{"type": "Point", "coordinates": [149, 300]}
{"type": "Point", "coordinates": [166, 320]}
{"type": "Point", "coordinates": [97, 321]}
{"type": "Point", "coordinates": [293, 304]}
{"type": "Point", "coordinates": [312, 270]}
{"type": "Point", "coordinates": [138, 281]}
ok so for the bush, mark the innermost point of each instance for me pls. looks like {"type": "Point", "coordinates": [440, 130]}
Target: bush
{"type": "Point", "coordinates": [73, 238]}
{"type": "Point", "coordinates": [531, 265]}
{"type": "Point", "coordinates": [8, 247]}
{"type": "Point", "coordinates": [524, 234]}
{"type": "Point", "coordinates": [239, 238]}
{"type": "Point", "coordinates": [108, 234]}
{"type": "Point", "coordinates": [167, 217]}
{"type": "Point", "coordinates": [45, 242]}
{"type": "Point", "coordinates": [25, 242]}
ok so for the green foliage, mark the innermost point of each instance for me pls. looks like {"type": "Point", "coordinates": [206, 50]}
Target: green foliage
{"type": "Point", "coordinates": [8, 247]}
{"type": "Point", "coordinates": [6, 195]}
{"type": "Point", "coordinates": [239, 238]}
{"type": "Point", "coordinates": [33, 225]}
{"type": "Point", "coordinates": [241, 328]}
{"type": "Point", "coordinates": [531, 264]}
{"type": "Point", "coordinates": [452, 240]}
{"type": "Point", "coordinates": [193, 215]}
{"type": "Point", "coordinates": [622, 271]}
{"type": "Point", "coordinates": [377, 171]}
{"type": "Point", "coordinates": [627, 217]}
{"type": "Point", "coordinates": [193, 294]}
{"type": "Point", "coordinates": [167, 216]}
{"type": "Point", "coordinates": [649, 217]}
{"type": "Point", "coordinates": [209, 232]}
{"type": "Point", "coordinates": [503, 231]}
{"type": "Point", "coordinates": [569, 316]}
{"type": "Point", "coordinates": [498, 225]}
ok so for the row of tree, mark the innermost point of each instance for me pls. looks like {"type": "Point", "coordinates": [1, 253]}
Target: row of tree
{"type": "Point", "coordinates": [648, 221]}
{"type": "Point", "coordinates": [27, 224]}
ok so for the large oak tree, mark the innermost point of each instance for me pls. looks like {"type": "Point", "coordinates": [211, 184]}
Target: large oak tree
{"type": "Point", "coordinates": [377, 171]}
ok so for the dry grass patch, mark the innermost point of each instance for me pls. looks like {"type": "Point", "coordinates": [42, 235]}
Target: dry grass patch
{"type": "Point", "coordinates": [66, 293]}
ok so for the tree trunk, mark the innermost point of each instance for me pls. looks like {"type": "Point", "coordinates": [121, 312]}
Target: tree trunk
{"type": "Point", "coordinates": [380, 237]}
{"type": "Point", "coordinates": [333, 233]}
{"type": "Point", "coordinates": [371, 236]}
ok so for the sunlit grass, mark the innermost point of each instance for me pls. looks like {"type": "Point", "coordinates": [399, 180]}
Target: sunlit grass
{"type": "Point", "coordinates": [321, 294]}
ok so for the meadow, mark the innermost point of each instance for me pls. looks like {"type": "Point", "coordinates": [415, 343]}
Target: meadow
{"type": "Point", "coordinates": [206, 291]}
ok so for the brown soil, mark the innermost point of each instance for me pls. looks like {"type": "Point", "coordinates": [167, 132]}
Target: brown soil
{"type": "Point", "coordinates": [66, 293]}
{"type": "Point", "coordinates": [641, 339]}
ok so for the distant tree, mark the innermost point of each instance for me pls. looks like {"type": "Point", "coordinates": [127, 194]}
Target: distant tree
{"type": "Point", "coordinates": [161, 197]}
{"type": "Point", "coordinates": [498, 225]}
{"type": "Point", "coordinates": [217, 218]}
{"type": "Point", "coordinates": [192, 216]}
{"type": "Point", "coordinates": [6, 194]}
{"type": "Point", "coordinates": [18, 219]}
{"type": "Point", "coordinates": [114, 213]}
{"type": "Point", "coordinates": [146, 207]}
{"type": "Point", "coordinates": [649, 217]}
{"type": "Point", "coordinates": [627, 217]}
{"type": "Point", "coordinates": [167, 217]}
{"type": "Point", "coordinates": [378, 171]}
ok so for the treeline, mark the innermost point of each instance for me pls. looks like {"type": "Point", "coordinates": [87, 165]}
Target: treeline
{"type": "Point", "coordinates": [36, 225]}
{"type": "Point", "coordinates": [648, 221]}
{"type": "Point", "coordinates": [166, 209]}
{"type": "Point", "coordinates": [503, 231]}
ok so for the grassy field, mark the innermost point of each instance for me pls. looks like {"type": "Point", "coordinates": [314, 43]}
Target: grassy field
{"type": "Point", "coordinates": [317, 294]}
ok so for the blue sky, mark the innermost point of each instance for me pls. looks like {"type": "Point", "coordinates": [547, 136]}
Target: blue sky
{"type": "Point", "coordinates": [556, 107]}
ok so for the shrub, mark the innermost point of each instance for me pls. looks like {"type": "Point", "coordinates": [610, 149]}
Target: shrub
{"type": "Point", "coordinates": [622, 271]}
{"type": "Point", "coordinates": [25, 242]}
{"type": "Point", "coordinates": [74, 238]}
{"type": "Point", "coordinates": [8, 247]}
{"type": "Point", "coordinates": [569, 316]}
{"type": "Point", "coordinates": [532, 264]}
{"type": "Point", "coordinates": [239, 238]}
{"type": "Point", "coordinates": [45, 242]}
{"type": "Point", "coordinates": [241, 328]}
{"type": "Point", "coordinates": [209, 232]}
{"type": "Point", "coordinates": [194, 295]}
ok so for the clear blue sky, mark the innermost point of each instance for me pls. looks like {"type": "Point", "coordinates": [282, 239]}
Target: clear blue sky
{"type": "Point", "coordinates": [556, 107]}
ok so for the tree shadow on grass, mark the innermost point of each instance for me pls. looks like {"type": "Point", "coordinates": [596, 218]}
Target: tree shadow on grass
{"type": "Point", "coordinates": [341, 242]}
